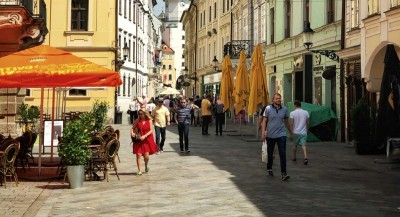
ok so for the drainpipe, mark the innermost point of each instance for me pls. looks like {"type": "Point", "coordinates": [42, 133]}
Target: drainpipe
{"type": "Point", "coordinates": [115, 61]}
{"type": "Point", "coordinates": [342, 41]}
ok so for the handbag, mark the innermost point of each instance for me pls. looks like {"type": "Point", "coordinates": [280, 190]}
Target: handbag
{"type": "Point", "coordinates": [136, 138]}
{"type": "Point", "coordinates": [128, 112]}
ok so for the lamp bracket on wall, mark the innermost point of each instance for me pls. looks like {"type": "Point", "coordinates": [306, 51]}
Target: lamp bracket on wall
{"type": "Point", "coordinates": [331, 54]}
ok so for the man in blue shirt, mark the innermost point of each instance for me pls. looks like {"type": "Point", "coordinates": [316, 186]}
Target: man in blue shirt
{"type": "Point", "coordinates": [182, 118]}
{"type": "Point", "coordinates": [273, 129]}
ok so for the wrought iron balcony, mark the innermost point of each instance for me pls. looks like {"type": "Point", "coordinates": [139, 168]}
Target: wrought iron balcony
{"type": "Point", "coordinates": [234, 47]}
{"type": "Point", "coordinates": [37, 9]}
{"type": "Point", "coordinates": [22, 24]}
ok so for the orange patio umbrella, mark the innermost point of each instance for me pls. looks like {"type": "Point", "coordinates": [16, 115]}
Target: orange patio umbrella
{"type": "Point", "coordinates": [45, 66]}
{"type": "Point", "coordinates": [258, 82]}
{"type": "Point", "coordinates": [227, 84]}
{"type": "Point", "coordinates": [241, 90]}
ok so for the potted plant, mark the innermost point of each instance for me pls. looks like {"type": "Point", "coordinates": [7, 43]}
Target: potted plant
{"type": "Point", "coordinates": [73, 148]}
{"type": "Point", "coordinates": [29, 116]}
{"type": "Point", "coordinates": [362, 123]}
{"type": "Point", "coordinates": [99, 111]}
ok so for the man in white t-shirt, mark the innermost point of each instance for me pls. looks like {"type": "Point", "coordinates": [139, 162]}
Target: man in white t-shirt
{"type": "Point", "coordinates": [299, 124]}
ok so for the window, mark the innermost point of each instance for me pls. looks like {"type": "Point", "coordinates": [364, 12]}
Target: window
{"type": "Point", "coordinates": [209, 19]}
{"type": "Point", "coordinates": [183, 37]}
{"type": "Point", "coordinates": [163, 66]}
{"type": "Point", "coordinates": [355, 19]}
{"type": "Point", "coordinates": [183, 45]}
{"type": "Point", "coordinates": [307, 11]}
{"type": "Point", "coordinates": [372, 7]}
{"type": "Point", "coordinates": [129, 85]}
{"type": "Point", "coordinates": [331, 11]}
{"type": "Point", "coordinates": [77, 92]}
{"type": "Point", "coordinates": [134, 13]}
{"type": "Point", "coordinates": [120, 7]}
{"type": "Point", "coordinates": [227, 5]}
{"type": "Point", "coordinates": [201, 19]}
{"type": "Point", "coordinates": [394, 3]}
{"type": "Point", "coordinates": [125, 7]}
{"type": "Point", "coordinates": [129, 53]}
{"type": "Point", "coordinates": [215, 10]}
{"type": "Point", "coordinates": [29, 93]}
{"type": "Point", "coordinates": [223, 6]}
{"type": "Point", "coordinates": [272, 26]}
{"type": "Point", "coordinates": [288, 18]}
{"type": "Point", "coordinates": [123, 85]}
{"type": "Point", "coordinates": [79, 15]}
{"type": "Point", "coordinates": [169, 67]}
{"type": "Point", "coordinates": [170, 77]}
{"type": "Point", "coordinates": [183, 64]}
{"type": "Point", "coordinates": [130, 9]}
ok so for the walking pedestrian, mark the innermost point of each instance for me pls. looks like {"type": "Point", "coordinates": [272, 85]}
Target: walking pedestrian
{"type": "Point", "coordinates": [219, 117]}
{"type": "Point", "coordinates": [133, 107]}
{"type": "Point", "coordinates": [299, 123]}
{"type": "Point", "coordinates": [273, 129]}
{"type": "Point", "coordinates": [143, 128]}
{"type": "Point", "coordinates": [205, 114]}
{"type": "Point", "coordinates": [161, 120]}
{"type": "Point", "coordinates": [150, 105]}
{"type": "Point", "coordinates": [197, 111]}
{"type": "Point", "coordinates": [182, 119]}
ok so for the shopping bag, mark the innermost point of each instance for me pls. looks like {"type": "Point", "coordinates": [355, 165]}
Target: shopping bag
{"type": "Point", "coordinates": [264, 152]}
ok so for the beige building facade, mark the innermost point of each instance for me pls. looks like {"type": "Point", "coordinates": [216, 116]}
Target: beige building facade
{"type": "Point", "coordinates": [86, 30]}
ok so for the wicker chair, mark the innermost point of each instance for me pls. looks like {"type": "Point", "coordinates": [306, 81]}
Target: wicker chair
{"type": "Point", "coordinates": [107, 159]}
{"type": "Point", "coordinates": [7, 161]}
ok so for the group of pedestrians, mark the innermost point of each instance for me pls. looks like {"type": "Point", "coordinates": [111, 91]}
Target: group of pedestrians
{"type": "Point", "coordinates": [275, 120]}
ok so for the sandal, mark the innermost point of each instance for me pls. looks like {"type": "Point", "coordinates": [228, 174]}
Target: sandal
{"type": "Point", "coordinates": [138, 173]}
{"type": "Point", "coordinates": [147, 169]}
{"type": "Point", "coordinates": [305, 161]}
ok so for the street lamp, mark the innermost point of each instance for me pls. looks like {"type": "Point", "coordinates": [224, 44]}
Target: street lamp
{"type": "Point", "coordinates": [308, 43]}
{"type": "Point", "coordinates": [125, 51]}
{"type": "Point", "coordinates": [215, 63]}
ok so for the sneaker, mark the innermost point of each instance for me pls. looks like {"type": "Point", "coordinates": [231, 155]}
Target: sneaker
{"type": "Point", "coordinates": [270, 173]}
{"type": "Point", "coordinates": [285, 177]}
{"type": "Point", "coordinates": [158, 152]}
{"type": "Point", "coordinates": [162, 151]}
{"type": "Point", "coordinates": [182, 151]}
{"type": "Point", "coordinates": [138, 173]}
{"type": "Point", "coordinates": [187, 151]}
{"type": "Point", "coordinates": [305, 161]}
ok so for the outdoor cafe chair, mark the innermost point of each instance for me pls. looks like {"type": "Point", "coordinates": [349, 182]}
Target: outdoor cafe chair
{"type": "Point", "coordinates": [115, 135]}
{"type": "Point", "coordinates": [103, 161]}
{"type": "Point", "coordinates": [22, 157]}
{"type": "Point", "coordinates": [7, 161]}
{"type": "Point", "coordinates": [32, 140]}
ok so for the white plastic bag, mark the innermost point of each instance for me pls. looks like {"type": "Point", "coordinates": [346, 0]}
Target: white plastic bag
{"type": "Point", "coordinates": [264, 152]}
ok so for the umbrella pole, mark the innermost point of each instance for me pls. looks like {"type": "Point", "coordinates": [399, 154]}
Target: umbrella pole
{"type": "Point", "coordinates": [52, 126]}
{"type": "Point", "coordinates": [40, 131]}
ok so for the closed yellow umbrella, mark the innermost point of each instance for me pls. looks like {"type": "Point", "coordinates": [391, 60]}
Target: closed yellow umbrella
{"type": "Point", "coordinates": [241, 90]}
{"type": "Point", "coordinates": [227, 84]}
{"type": "Point", "coordinates": [258, 82]}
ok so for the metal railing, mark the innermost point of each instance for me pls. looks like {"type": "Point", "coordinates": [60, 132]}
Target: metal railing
{"type": "Point", "coordinates": [37, 8]}
{"type": "Point", "coordinates": [234, 47]}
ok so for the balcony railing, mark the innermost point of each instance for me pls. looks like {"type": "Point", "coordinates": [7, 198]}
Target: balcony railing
{"type": "Point", "coordinates": [233, 48]}
{"type": "Point", "coordinates": [35, 9]}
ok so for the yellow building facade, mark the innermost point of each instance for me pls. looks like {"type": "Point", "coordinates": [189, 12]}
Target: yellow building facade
{"type": "Point", "coordinates": [87, 30]}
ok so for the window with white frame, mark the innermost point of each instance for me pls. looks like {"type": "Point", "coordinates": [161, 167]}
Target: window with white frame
{"type": "Point", "coordinates": [79, 15]}
{"type": "Point", "coordinates": [354, 19]}
{"type": "Point", "coordinates": [372, 7]}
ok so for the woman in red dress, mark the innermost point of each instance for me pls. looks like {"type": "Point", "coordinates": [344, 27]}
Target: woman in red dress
{"type": "Point", "coordinates": [147, 146]}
